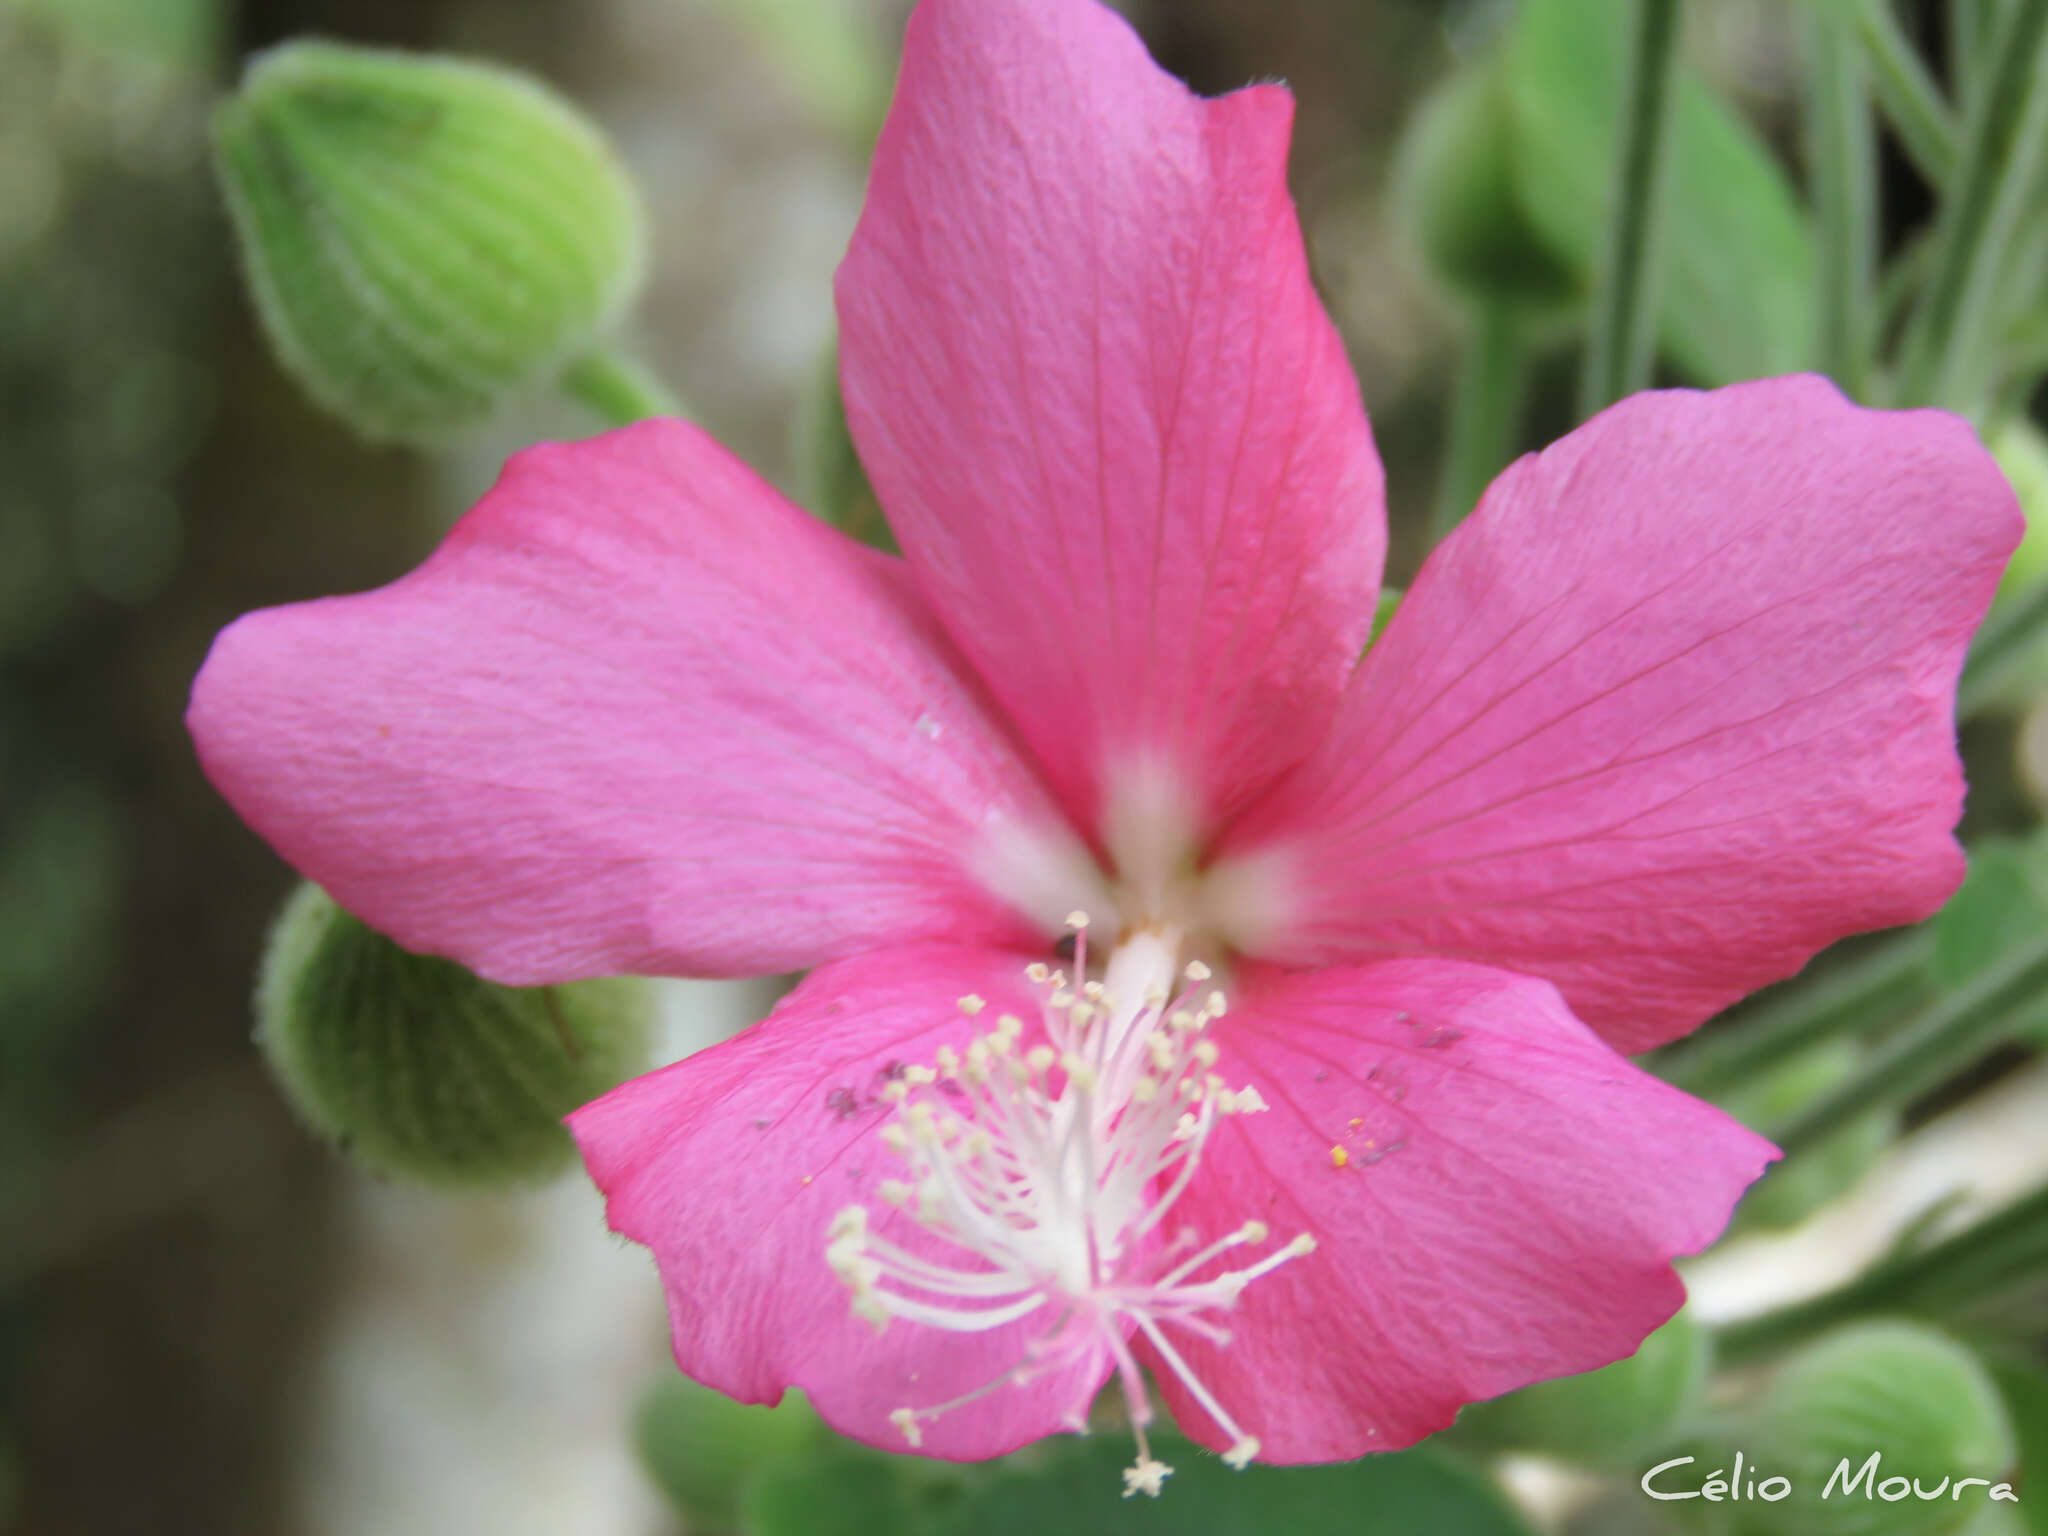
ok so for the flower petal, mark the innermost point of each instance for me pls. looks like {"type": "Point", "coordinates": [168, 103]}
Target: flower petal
{"type": "Point", "coordinates": [1111, 424]}
{"type": "Point", "coordinates": [1672, 710]}
{"type": "Point", "coordinates": [731, 1165]}
{"type": "Point", "coordinates": [1496, 1197]}
{"type": "Point", "coordinates": [637, 713]}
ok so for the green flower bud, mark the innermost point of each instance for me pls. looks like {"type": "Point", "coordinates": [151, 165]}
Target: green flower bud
{"type": "Point", "coordinates": [420, 1069]}
{"type": "Point", "coordinates": [1454, 191]}
{"type": "Point", "coordinates": [1916, 1399]}
{"type": "Point", "coordinates": [1604, 1417]}
{"type": "Point", "coordinates": [425, 237]}
{"type": "Point", "coordinates": [702, 1449]}
{"type": "Point", "coordinates": [2022, 452]}
{"type": "Point", "coordinates": [1794, 1189]}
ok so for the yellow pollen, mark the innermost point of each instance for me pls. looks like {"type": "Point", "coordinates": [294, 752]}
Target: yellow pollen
{"type": "Point", "coordinates": [1197, 971]}
{"type": "Point", "coordinates": [1339, 1157]}
{"type": "Point", "coordinates": [972, 1004]}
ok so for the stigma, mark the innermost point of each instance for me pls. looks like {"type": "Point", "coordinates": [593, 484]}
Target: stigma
{"type": "Point", "coordinates": [1048, 1156]}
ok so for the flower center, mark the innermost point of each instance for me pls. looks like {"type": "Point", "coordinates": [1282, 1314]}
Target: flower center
{"type": "Point", "coordinates": [1049, 1172]}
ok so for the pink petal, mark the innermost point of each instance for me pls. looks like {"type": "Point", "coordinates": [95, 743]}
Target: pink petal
{"type": "Point", "coordinates": [1672, 711]}
{"type": "Point", "coordinates": [1113, 428]}
{"type": "Point", "coordinates": [637, 713]}
{"type": "Point", "coordinates": [731, 1165]}
{"type": "Point", "coordinates": [1512, 1195]}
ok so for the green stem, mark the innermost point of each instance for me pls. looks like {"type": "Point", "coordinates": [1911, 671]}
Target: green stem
{"type": "Point", "coordinates": [1619, 348]}
{"type": "Point", "coordinates": [1884, 981]}
{"type": "Point", "coordinates": [617, 389]}
{"type": "Point", "coordinates": [1908, 94]}
{"type": "Point", "coordinates": [1943, 1038]}
{"type": "Point", "coordinates": [1486, 410]}
{"type": "Point", "coordinates": [2004, 650]}
{"type": "Point", "coordinates": [1948, 334]}
{"type": "Point", "coordinates": [1983, 1261]}
{"type": "Point", "coordinates": [1842, 147]}
{"type": "Point", "coordinates": [1973, 25]}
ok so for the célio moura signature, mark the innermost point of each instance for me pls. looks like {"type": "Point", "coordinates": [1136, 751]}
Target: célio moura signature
{"type": "Point", "coordinates": [1668, 1480]}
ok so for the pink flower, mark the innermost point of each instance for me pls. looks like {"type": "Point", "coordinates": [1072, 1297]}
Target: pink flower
{"type": "Point", "coordinates": [1669, 713]}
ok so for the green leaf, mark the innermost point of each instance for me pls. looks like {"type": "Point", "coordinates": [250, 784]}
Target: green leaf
{"type": "Point", "coordinates": [1998, 905]}
{"type": "Point", "coordinates": [845, 1492]}
{"type": "Point", "coordinates": [1076, 1493]}
{"type": "Point", "coordinates": [702, 1448]}
{"type": "Point", "coordinates": [1737, 297]}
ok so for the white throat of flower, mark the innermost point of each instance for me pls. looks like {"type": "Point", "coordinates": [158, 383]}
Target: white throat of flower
{"type": "Point", "coordinates": [1052, 1170]}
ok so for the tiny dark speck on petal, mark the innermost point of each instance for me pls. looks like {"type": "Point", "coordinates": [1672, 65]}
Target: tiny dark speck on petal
{"type": "Point", "coordinates": [1438, 1039]}
{"type": "Point", "coordinates": [1322, 1074]}
{"type": "Point", "coordinates": [762, 1125]}
{"type": "Point", "coordinates": [843, 1102]}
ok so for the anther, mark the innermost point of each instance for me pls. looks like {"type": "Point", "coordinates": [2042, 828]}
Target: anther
{"type": "Point", "coordinates": [1147, 1477]}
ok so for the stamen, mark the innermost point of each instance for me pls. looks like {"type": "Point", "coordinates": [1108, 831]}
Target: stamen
{"type": "Point", "coordinates": [1038, 1181]}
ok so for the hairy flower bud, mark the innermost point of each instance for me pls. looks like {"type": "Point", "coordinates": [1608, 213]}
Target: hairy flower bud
{"type": "Point", "coordinates": [1911, 1395]}
{"type": "Point", "coordinates": [1603, 1417]}
{"type": "Point", "coordinates": [420, 1069]}
{"type": "Point", "coordinates": [425, 237]}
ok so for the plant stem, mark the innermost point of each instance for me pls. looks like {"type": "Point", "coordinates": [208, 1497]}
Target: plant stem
{"type": "Point", "coordinates": [2003, 142]}
{"type": "Point", "coordinates": [2008, 1247]}
{"type": "Point", "coordinates": [1486, 410]}
{"type": "Point", "coordinates": [617, 389]}
{"type": "Point", "coordinates": [1842, 150]}
{"type": "Point", "coordinates": [1910, 98]}
{"type": "Point", "coordinates": [1940, 1040]}
{"type": "Point", "coordinates": [1884, 981]}
{"type": "Point", "coordinates": [1619, 348]}
{"type": "Point", "coordinates": [1972, 26]}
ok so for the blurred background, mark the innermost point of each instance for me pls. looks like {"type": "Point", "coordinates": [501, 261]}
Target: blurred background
{"type": "Point", "coordinates": [208, 1323]}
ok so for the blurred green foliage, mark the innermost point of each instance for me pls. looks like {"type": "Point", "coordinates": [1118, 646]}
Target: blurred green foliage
{"type": "Point", "coordinates": [1606, 1417]}
{"type": "Point", "coordinates": [1795, 1188]}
